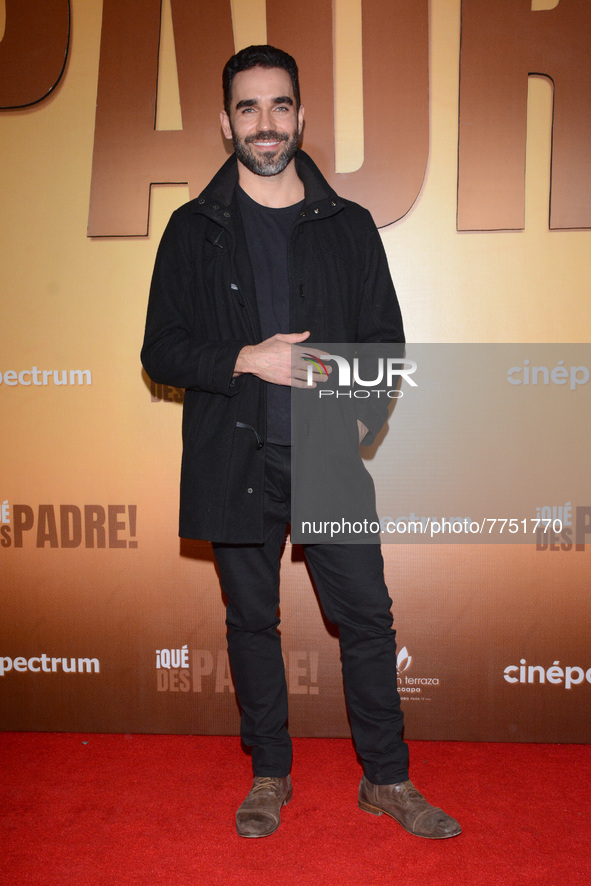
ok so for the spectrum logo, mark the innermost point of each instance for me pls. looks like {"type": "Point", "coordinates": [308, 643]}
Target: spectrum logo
{"type": "Point", "coordinates": [49, 664]}
{"type": "Point", "coordinates": [45, 377]}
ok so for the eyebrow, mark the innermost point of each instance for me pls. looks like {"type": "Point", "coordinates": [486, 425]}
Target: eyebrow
{"type": "Point", "coordinates": [250, 102]}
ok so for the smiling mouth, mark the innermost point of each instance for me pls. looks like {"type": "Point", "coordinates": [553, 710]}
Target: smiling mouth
{"type": "Point", "coordinates": [270, 141]}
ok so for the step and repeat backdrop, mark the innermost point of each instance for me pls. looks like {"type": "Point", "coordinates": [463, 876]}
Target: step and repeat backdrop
{"type": "Point", "coordinates": [465, 127]}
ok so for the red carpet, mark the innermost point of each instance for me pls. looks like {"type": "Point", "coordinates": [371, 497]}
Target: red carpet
{"type": "Point", "coordinates": [88, 810]}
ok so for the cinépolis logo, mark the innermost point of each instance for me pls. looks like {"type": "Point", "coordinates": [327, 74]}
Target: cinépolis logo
{"type": "Point", "coordinates": [68, 526]}
{"type": "Point", "coordinates": [42, 378]}
{"type": "Point", "coordinates": [556, 674]}
{"type": "Point", "coordinates": [528, 374]}
{"type": "Point", "coordinates": [361, 378]}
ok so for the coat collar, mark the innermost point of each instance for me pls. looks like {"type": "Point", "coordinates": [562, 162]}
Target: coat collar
{"type": "Point", "coordinates": [217, 199]}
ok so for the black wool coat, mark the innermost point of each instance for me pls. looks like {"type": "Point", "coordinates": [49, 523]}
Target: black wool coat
{"type": "Point", "coordinates": [202, 310]}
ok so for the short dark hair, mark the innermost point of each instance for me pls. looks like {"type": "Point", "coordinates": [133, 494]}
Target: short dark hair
{"type": "Point", "coordinates": [263, 57]}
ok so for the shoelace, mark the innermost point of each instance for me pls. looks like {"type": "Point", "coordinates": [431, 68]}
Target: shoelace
{"type": "Point", "coordinates": [264, 782]}
{"type": "Point", "coordinates": [411, 791]}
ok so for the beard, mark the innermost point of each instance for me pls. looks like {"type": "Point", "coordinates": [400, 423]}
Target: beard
{"type": "Point", "coordinates": [268, 163]}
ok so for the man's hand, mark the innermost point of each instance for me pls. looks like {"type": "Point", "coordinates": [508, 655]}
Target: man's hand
{"type": "Point", "coordinates": [276, 360]}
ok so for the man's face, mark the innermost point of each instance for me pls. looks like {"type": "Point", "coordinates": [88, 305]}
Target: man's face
{"type": "Point", "coordinates": [263, 123]}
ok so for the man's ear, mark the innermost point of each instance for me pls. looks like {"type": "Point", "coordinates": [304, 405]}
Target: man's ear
{"type": "Point", "coordinates": [225, 121]}
{"type": "Point", "coordinates": [301, 119]}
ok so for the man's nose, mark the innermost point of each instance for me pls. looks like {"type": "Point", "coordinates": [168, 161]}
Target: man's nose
{"type": "Point", "coordinates": [265, 119]}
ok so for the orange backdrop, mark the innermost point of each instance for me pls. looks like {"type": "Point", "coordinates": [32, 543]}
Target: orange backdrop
{"type": "Point", "coordinates": [109, 622]}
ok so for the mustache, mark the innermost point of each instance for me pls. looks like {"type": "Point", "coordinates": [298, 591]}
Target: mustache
{"type": "Point", "coordinates": [269, 135]}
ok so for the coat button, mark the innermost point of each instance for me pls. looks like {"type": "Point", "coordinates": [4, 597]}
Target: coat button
{"type": "Point", "coordinates": [226, 215]}
{"type": "Point", "coordinates": [316, 211]}
{"type": "Point", "coordinates": [201, 201]}
{"type": "Point", "coordinates": [249, 490]}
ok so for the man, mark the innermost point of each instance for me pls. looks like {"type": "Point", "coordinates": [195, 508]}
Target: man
{"type": "Point", "coordinates": [265, 258]}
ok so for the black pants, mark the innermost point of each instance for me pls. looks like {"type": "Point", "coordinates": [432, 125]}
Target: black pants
{"type": "Point", "coordinates": [354, 596]}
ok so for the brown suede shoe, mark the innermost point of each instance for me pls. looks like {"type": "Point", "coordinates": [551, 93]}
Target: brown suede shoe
{"type": "Point", "coordinates": [260, 814]}
{"type": "Point", "coordinates": [410, 809]}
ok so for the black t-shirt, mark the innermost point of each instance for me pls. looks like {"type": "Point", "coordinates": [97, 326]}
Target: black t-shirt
{"type": "Point", "coordinates": [268, 232]}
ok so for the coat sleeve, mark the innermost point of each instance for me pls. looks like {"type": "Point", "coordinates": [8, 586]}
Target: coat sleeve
{"type": "Point", "coordinates": [176, 350]}
{"type": "Point", "coordinates": [380, 320]}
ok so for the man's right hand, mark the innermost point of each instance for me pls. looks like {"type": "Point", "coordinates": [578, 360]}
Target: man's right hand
{"type": "Point", "coordinates": [276, 361]}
